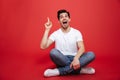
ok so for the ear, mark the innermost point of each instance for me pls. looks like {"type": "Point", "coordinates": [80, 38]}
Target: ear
{"type": "Point", "coordinates": [69, 19]}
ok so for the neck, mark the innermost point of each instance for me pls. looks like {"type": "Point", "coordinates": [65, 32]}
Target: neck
{"type": "Point", "coordinates": [65, 30]}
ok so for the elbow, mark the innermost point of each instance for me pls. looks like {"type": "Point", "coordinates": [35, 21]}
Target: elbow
{"type": "Point", "coordinates": [42, 47]}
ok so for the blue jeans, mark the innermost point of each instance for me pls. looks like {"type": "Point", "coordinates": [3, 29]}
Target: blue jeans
{"type": "Point", "coordinates": [63, 61]}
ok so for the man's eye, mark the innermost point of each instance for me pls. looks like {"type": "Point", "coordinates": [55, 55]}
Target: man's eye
{"type": "Point", "coordinates": [61, 17]}
{"type": "Point", "coordinates": [66, 16]}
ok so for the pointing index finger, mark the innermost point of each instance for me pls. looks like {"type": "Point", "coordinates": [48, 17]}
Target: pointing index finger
{"type": "Point", "coordinates": [48, 19]}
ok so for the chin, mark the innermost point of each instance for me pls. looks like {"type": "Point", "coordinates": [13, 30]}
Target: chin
{"type": "Point", "coordinates": [65, 27]}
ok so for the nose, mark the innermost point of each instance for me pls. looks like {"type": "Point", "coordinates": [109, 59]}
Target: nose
{"type": "Point", "coordinates": [64, 19]}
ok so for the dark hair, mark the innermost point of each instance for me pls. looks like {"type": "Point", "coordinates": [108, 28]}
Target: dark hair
{"type": "Point", "coordinates": [62, 11]}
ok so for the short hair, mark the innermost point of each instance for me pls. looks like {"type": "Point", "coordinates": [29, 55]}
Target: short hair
{"type": "Point", "coordinates": [62, 11]}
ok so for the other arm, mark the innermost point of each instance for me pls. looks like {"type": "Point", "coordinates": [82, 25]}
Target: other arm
{"type": "Point", "coordinates": [76, 63]}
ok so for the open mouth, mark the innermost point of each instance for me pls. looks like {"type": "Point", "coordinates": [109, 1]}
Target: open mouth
{"type": "Point", "coordinates": [65, 22]}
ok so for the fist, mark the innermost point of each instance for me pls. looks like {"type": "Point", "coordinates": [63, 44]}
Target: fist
{"type": "Point", "coordinates": [75, 64]}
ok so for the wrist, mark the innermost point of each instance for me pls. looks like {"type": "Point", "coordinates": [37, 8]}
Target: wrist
{"type": "Point", "coordinates": [47, 29]}
{"type": "Point", "coordinates": [76, 58]}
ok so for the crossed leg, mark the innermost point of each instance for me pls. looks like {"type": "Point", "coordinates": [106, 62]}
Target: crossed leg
{"type": "Point", "coordinates": [63, 64]}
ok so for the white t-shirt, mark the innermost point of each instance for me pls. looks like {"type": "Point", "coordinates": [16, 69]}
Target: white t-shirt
{"type": "Point", "coordinates": [66, 42]}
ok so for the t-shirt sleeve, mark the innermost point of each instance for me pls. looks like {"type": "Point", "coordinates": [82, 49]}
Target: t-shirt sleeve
{"type": "Point", "coordinates": [79, 36]}
{"type": "Point", "coordinates": [52, 36]}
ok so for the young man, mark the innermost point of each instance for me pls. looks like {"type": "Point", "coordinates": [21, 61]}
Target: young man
{"type": "Point", "coordinates": [69, 53]}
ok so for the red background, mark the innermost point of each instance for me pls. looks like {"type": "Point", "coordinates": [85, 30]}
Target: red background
{"type": "Point", "coordinates": [22, 27]}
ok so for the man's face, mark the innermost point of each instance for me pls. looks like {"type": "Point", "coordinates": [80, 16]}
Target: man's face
{"type": "Point", "coordinates": [64, 20]}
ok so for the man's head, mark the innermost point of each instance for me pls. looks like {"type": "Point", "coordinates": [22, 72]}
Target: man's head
{"type": "Point", "coordinates": [62, 11]}
{"type": "Point", "coordinates": [64, 18]}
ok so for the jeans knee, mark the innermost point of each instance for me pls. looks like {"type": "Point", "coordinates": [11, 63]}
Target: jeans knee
{"type": "Point", "coordinates": [53, 52]}
{"type": "Point", "coordinates": [91, 55]}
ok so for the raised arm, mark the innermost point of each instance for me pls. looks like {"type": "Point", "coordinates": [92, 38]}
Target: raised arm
{"type": "Point", "coordinates": [45, 42]}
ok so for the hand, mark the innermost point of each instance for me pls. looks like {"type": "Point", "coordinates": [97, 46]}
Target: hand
{"type": "Point", "coordinates": [48, 24]}
{"type": "Point", "coordinates": [75, 64]}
